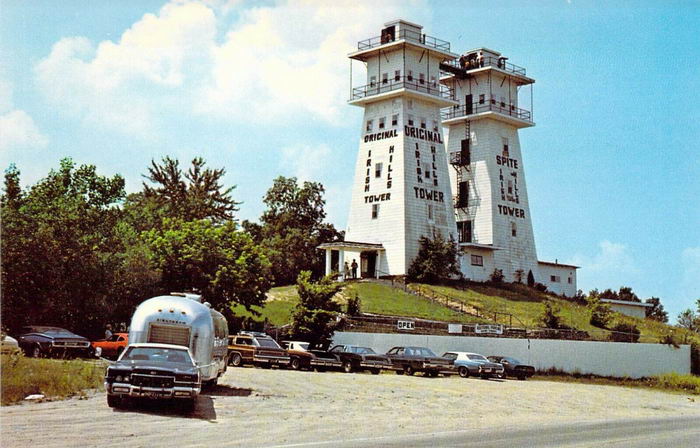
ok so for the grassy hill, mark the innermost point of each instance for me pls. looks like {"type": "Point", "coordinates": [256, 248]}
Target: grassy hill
{"type": "Point", "coordinates": [526, 306]}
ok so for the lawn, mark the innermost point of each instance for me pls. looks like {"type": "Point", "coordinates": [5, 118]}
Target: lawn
{"type": "Point", "coordinates": [54, 378]}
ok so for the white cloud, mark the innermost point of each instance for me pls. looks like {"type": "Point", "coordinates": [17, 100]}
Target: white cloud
{"type": "Point", "coordinates": [612, 267]}
{"type": "Point", "coordinates": [5, 96]}
{"type": "Point", "coordinates": [18, 131]}
{"type": "Point", "coordinates": [125, 86]}
{"type": "Point", "coordinates": [306, 162]}
{"type": "Point", "coordinates": [283, 62]}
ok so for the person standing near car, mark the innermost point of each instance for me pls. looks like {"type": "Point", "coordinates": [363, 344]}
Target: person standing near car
{"type": "Point", "coordinates": [108, 331]}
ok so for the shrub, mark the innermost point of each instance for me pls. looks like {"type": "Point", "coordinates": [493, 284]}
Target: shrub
{"type": "Point", "coordinates": [541, 287]}
{"type": "Point", "coordinates": [496, 276]}
{"type": "Point", "coordinates": [623, 332]}
{"type": "Point", "coordinates": [600, 313]}
{"type": "Point", "coordinates": [519, 275]}
{"type": "Point", "coordinates": [354, 306]}
{"type": "Point", "coordinates": [530, 279]}
{"type": "Point", "coordinates": [436, 261]}
{"type": "Point", "coordinates": [550, 318]}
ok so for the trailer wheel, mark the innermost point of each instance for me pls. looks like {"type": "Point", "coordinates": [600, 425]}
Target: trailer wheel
{"type": "Point", "coordinates": [236, 360]}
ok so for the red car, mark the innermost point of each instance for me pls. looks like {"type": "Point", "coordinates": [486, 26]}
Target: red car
{"type": "Point", "coordinates": [114, 346]}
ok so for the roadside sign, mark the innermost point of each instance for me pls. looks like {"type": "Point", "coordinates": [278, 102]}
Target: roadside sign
{"type": "Point", "coordinates": [488, 329]}
{"type": "Point", "coordinates": [406, 325]}
{"type": "Point", "coordinates": [454, 328]}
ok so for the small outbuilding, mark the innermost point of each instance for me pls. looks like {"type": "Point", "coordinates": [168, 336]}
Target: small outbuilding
{"type": "Point", "coordinates": [634, 309]}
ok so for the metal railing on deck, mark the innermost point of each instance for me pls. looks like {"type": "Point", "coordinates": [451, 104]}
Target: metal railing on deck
{"type": "Point", "coordinates": [408, 35]}
{"type": "Point", "coordinates": [491, 105]}
{"type": "Point", "coordinates": [403, 82]}
{"type": "Point", "coordinates": [466, 63]}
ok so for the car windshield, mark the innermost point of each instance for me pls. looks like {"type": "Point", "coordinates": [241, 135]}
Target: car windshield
{"type": "Point", "coordinates": [267, 342]}
{"type": "Point", "coordinates": [303, 345]}
{"type": "Point", "coordinates": [450, 356]}
{"type": "Point", "coordinates": [158, 355]}
{"type": "Point", "coordinates": [422, 351]}
{"type": "Point", "coordinates": [512, 360]}
{"type": "Point", "coordinates": [361, 350]}
{"type": "Point", "coordinates": [476, 358]}
{"type": "Point", "coordinates": [59, 332]}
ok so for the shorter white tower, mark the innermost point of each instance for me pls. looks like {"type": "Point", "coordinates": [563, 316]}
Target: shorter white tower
{"type": "Point", "coordinates": [491, 200]}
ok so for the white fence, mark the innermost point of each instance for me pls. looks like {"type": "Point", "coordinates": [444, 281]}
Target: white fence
{"type": "Point", "coordinates": [616, 359]}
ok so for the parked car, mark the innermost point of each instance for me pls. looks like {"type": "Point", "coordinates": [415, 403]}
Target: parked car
{"type": "Point", "coordinates": [475, 364]}
{"type": "Point", "coordinates": [8, 344]}
{"type": "Point", "coordinates": [513, 367]}
{"type": "Point", "coordinates": [255, 348]}
{"type": "Point", "coordinates": [39, 341]}
{"type": "Point", "coordinates": [302, 357]}
{"type": "Point", "coordinates": [409, 360]}
{"type": "Point", "coordinates": [355, 358]}
{"type": "Point", "coordinates": [112, 347]}
{"type": "Point", "coordinates": [154, 371]}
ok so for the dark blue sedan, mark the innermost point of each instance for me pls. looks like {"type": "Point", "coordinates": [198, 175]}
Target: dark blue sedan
{"type": "Point", "coordinates": [40, 341]}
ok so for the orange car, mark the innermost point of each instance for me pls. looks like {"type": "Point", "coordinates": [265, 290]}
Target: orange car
{"type": "Point", "coordinates": [114, 346]}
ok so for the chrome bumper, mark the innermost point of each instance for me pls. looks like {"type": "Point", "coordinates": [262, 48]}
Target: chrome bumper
{"type": "Point", "coordinates": [151, 392]}
{"type": "Point", "coordinates": [270, 360]}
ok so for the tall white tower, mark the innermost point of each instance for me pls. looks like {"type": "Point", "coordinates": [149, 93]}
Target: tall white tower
{"type": "Point", "coordinates": [401, 188]}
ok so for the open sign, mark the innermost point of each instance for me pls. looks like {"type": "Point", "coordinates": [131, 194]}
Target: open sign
{"type": "Point", "coordinates": [406, 325]}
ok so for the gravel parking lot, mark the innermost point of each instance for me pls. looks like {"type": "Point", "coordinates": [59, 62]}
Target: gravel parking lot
{"type": "Point", "coordinates": [259, 407]}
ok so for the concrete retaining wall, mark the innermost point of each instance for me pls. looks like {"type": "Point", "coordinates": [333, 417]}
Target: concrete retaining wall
{"type": "Point", "coordinates": [616, 359]}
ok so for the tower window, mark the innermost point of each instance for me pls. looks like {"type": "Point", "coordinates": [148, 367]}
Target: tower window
{"type": "Point", "coordinates": [477, 260]}
{"type": "Point", "coordinates": [554, 278]}
{"type": "Point", "coordinates": [410, 104]}
{"type": "Point", "coordinates": [504, 140]}
{"type": "Point", "coordinates": [570, 280]}
{"type": "Point", "coordinates": [464, 230]}
{"type": "Point", "coordinates": [482, 98]}
{"type": "Point", "coordinates": [421, 78]}
{"type": "Point", "coordinates": [375, 211]}
{"type": "Point", "coordinates": [372, 81]}
{"type": "Point", "coordinates": [382, 122]}
{"type": "Point", "coordinates": [397, 75]}
{"type": "Point", "coordinates": [410, 78]}
{"type": "Point", "coordinates": [513, 229]}
{"type": "Point", "coordinates": [369, 126]}
{"type": "Point", "coordinates": [395, 119]}
{"type": "Point", "coordinates": [430, 212]}
{"type": "Point", "coordinates": [433, 81]}
{"type": "Point", "coordinates": [378, 170]}
{"type": "Point", "coordinates": [422, 123]}
{"type": "Point", "coordinates": [426, 170]}
{"type": "Point", "coordinates": [435, 126]}
{"type": "Point", "coordinates": [385, 78]}
{"type": "Point", "coordinates": [510, 186]}
{"type": "Point", "coordinates": [503, 101]}
{"type": "Point", "coordinates": [410, 120]}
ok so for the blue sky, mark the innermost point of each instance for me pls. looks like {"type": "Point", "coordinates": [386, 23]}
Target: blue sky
{"type": "Point", "coordinates": [260, 88]}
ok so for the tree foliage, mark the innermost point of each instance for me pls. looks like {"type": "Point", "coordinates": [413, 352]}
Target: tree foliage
{"type": "Point", "coordinates": [58, 247]}
{"type": "Point", "coordinates": [220, 261]}
{"type": "Point", "coordinates": [292, 227]}
{"type": "Point", "coordinates": [656, 311]}
{"type": "Point", "coordinates": [436, 260]}
{"type": "Point", "coordinates": [195, 194]}
{"type": "Point", "coordinates": [600, 312]}
{"type": "Point", "coordinates": [312, 319]}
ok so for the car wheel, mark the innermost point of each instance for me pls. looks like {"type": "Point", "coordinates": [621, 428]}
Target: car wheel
{"type": "Point", "coordinates": [399, 372]}
{"type": "Point", "coordinates": [522, 378]}
{"type": "Point", "coordinates": [114, 401]}
{"type": "Point", "coordinates": [375, 371]}
{"type": "Point", "coordinates": [347, 367]}
{"type": "Point", "coordinates": [236, 360]}
{"type": "Point", "coordinates": [36, 351]}
{"type": "Point", "coordinates": [295, 364]}
{"type": "Point", "coordinates": [463, 372]}
{"type": "Point", "coordinates": [409, 370]}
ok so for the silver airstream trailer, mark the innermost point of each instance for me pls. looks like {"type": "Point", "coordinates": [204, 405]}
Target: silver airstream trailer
{"type": "Point", "coordinates": [182, 319]}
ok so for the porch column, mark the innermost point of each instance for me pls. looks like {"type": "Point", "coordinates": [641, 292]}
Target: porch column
{"type": "Point", "coordinates": [328, 261]}
{"type": "Point", "coordinates": [378, 263]}
{"type": "Point", "coordinates": [341, 264]}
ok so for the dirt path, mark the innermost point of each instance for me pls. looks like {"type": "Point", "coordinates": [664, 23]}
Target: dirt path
{"type": "Point", "coordinates": [258, 407]}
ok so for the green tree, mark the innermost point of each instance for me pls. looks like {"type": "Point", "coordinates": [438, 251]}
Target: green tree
{"type": "Point", "coordinates": [292, 227]}
{"type": "Point", "coordinates": [625, 293]}
{"type": "Point", "coordinates": [600, 312]}
{"type": "Point", "coordinates": [436, 260]}
{"type": "Point", "coordinates": [57, 248]}
{"type": "Point", "coordinates": [218, 260]}
{"type": "Point", "coordinates": [688, 319]}
{"type": "Point", "coordinates": [312, 319]}
{"type": "Point", "coordinates": [656, 311]}
{"type": "Point", "coordinates": [195, 194]}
